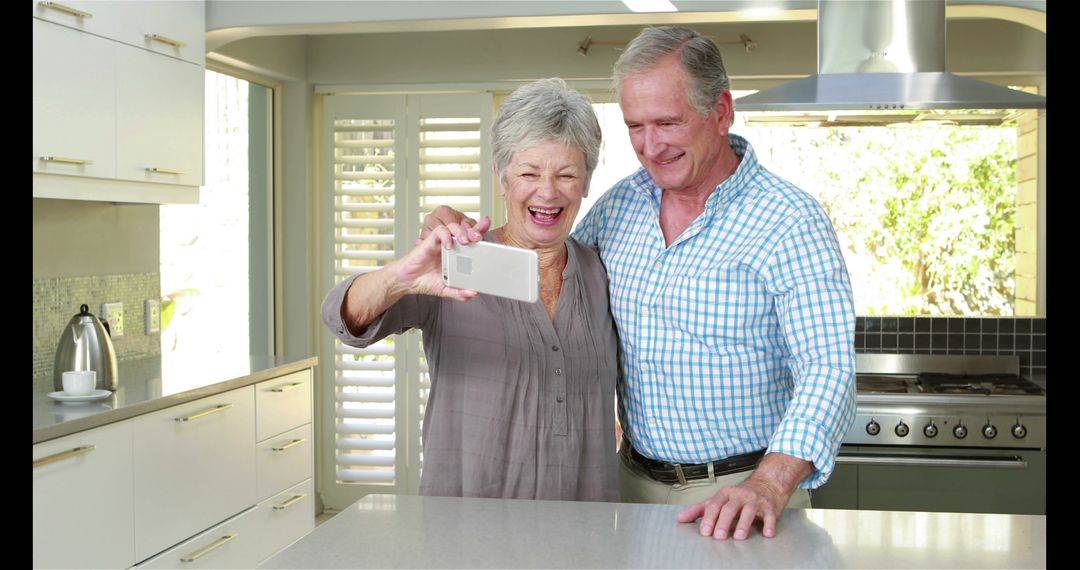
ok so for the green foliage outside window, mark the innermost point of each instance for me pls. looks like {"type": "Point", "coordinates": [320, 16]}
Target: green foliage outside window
{"type": "Point", "coordinates": [926, 214]}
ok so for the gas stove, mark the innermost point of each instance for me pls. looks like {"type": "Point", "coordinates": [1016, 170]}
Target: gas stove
{"type": "Point", "coordinates": [947, 401]}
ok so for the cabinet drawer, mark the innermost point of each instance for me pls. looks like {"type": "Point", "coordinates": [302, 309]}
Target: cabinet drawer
{"type": "Point", "coordinates": [284, 460]}
{"type": "Point", "coordinates": [231, 544]}
{"type": "Point", "coordinates": [283, 404]}
{"type": "Point", "coordinates": [193, 467]}
{"type": "Point", "coordinates": [82, 500]}
{"type": "Point", "coordinates": [285, 518]}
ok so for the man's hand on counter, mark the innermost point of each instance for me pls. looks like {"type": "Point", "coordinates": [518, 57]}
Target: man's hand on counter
{"type": "Point", "coordinates": [761, 496]}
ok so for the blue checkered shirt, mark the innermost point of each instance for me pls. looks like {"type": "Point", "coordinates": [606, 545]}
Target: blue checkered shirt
{"type": "Point", "coordinates": [739, 335]}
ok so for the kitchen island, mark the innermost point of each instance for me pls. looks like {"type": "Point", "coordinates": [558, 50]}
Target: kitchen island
{"type": "Point", "coordinates": [405, 531]}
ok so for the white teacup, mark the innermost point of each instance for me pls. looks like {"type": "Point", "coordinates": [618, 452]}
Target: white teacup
{"type": "Point", "coordinates": [79, 382]}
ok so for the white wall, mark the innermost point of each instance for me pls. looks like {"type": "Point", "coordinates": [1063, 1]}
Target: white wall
{"type": "Point", "coordinates": [74, 238]}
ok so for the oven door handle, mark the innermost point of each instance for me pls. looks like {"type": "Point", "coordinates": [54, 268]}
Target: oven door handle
{"type": "Point", "coordinates": [999, 462]}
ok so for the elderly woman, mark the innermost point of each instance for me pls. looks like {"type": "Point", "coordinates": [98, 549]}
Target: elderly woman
{"type": "Point", "coordinates": [522, 394]}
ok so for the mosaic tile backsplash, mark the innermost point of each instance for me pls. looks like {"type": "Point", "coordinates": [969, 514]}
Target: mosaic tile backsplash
{"type": "Point", "coordinates": [57, 299]}
{"type": "Point", "coordinates": [1022, 336]}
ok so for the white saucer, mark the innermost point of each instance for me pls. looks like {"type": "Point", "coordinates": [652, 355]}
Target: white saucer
{"type": "Point", "coordinates": [95, 395]}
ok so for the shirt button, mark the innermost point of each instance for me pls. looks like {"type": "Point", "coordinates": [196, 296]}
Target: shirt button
{"type": "Point", "coordinates": [559, 399]}
{"type": "Point", "coordinates": [644, 365]}
{"type": "Point", "coordinates": [644, 310]}
{"type": "Point", "coordinates": [555, 348]}
{"type": "Point", "coordinates": [651, 421]}
{"type": "Point", "coordinates": [558, 371]}
{"type": "Point", "coordinates": [658, 265]}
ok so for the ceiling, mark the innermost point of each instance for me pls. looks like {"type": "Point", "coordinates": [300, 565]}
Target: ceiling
{"type": "Point", "coordinates": [231, 20]}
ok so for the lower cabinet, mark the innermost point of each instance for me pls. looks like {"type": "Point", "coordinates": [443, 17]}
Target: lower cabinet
{"type": "Point", "coordinates": [82, 500]}
{"type": "Point", "coordinates": [231, 544]}
{"type": "Point", "coordinates": [193, 468]}
{"type": "Point", "coordinates": [285, 518]}
{"type": "Point", "coordinates": [191, 486]}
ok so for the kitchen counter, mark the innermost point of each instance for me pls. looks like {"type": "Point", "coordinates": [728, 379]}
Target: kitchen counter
{"type": "Point", "coordinates": [140, 390]}
{"type": "Point", "coordinates": [406, 531]}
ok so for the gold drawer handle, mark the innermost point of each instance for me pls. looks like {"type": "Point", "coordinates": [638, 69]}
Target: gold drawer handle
{"type": "Point", "coordinates": [63, 455]}
{"type": "Point", "coordinates": [288, 387]}
{"type": "Point", "coordinates": [290, 502]}
{"type": "Point", "coordinates": [290, 444]}
{"type": "Point", "coordinates": [165, 40]}
{"type": "Point", "coordinates": [66, 9]}
{"type": "Point", "coordinates": [204, 551]}
{"type": "Point", "coordinates": [163, 170]}
{"type": "Point", "coordinates": [66, 160]}
{"type": "Point", "coordinates": [213, 410]}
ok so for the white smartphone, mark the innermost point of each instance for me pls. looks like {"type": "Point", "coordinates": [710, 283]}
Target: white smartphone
{"type": "Point", "coordinates": [493, 269]}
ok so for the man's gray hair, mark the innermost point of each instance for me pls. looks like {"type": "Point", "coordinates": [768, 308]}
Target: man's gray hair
{"type": "Point", "coordinates": [699, 56]}
{"type": "Point", "coordinates": [541, 111]}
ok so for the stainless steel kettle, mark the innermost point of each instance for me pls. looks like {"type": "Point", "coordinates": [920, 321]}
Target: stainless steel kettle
{"type": "Point", "coordinates": [86, 345]}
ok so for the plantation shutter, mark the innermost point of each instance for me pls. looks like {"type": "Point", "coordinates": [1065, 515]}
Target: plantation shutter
{"type": "Point", "coordinates": [391, 159]}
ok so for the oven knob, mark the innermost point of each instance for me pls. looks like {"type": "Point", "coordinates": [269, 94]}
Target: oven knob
{"type": "Point", "coordinates": [1019, 431]}
{"type": "Point", "coordinates": [989, 431]}
{"type": "Point", "coordinates": [901, 429]}
{"type": "Point", "coordinates": [873, 428]}
{"type": "Point", "coordinates": [960, 431]}
{"type": "Point", "coordinates": [930, 430]}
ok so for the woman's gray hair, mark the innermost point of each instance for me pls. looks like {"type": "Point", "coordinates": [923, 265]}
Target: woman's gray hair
{"type": "Point", "coordinates": [541, 111]}
{"type": "Point", "coordinates": [699, 55]}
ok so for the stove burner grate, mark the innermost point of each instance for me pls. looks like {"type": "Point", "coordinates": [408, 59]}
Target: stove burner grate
{"type": "Point", "coordinates": [985, 384]}
{"type": "Point", "coordinates": [880, 385]}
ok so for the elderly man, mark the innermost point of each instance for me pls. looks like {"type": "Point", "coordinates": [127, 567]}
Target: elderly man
{"type": "Point", "coordinates": [731, 300]}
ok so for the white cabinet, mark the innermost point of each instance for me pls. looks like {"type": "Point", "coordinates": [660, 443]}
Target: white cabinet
{"type": "Point", "coordinates": [155, 133]}
{"type": "Point", "coordinates": [189, 486]}
{"type": "Point", "coordinates": [285, 518]}
{"type": "Point", "coordinates": [90, 16]}
{"type": "Point", "coordinates": [168, 27]}
{"type": "Point", "coordinates": [284, 403]}
{"type": "Point", "coordinates": [285, 460]}
{"type": "Point", "coordinates": [74, 103]}
{"type": "Point", "coordinates": [118, 101]}
{"type": "Point", "coordinates": [175, 28]}
{"type": "Point", "coordinates": [232, 544]}
{"type": "Point", "coordinates": [83, 501]}
{"type": "Point", "coordinates": [194, 467]}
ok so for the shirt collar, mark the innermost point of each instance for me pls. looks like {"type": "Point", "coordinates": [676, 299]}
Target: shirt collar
{"type": "Point", "coordinates": [728, 190]}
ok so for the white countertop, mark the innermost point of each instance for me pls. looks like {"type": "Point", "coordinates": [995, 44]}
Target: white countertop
{"type": "Point", "coordinates": [140, 391]}
{"type": "Point", "coordinates": [407, 531]}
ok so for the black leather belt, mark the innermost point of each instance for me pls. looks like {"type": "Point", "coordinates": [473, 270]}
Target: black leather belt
{"type": "Point", "coordinates": [665, 472]}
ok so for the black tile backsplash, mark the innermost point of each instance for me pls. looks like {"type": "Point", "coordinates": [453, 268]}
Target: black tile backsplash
{"type": "Point", "coordinates": [939, 325]}
{"type": "Point", "coordinates": [1022, 336]}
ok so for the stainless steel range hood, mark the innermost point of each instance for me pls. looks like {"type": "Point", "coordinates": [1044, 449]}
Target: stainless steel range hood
{"type": "Point", "coordinates": [884, 55]}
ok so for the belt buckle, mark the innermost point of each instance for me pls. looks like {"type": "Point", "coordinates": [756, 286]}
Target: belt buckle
{"type": "Point", "coordinates": [679, 473]}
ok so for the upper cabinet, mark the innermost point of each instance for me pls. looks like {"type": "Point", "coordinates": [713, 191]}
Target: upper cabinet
{"type": "Point", "coordinates": [118, 101]}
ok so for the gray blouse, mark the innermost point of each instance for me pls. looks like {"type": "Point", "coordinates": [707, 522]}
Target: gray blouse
{"type": "Point", "coordinates": [520, 406]}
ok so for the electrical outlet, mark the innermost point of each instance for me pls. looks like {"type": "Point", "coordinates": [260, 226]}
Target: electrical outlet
{"type": "Point", "coordinates": [114, 313]}
{"type": "Point", "coordinates": [152, 310]}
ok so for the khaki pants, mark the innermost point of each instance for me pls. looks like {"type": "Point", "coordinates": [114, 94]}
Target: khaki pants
{"type": "Point", "coordinates": [635, 486]}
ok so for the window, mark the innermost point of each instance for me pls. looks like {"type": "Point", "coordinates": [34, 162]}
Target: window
{"type": "Point", "coordinates": [389, 160]}
{"type": "Point", "coordinates": [936, 212]}
{"type": "Point", "coordinates": [216, 279]}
